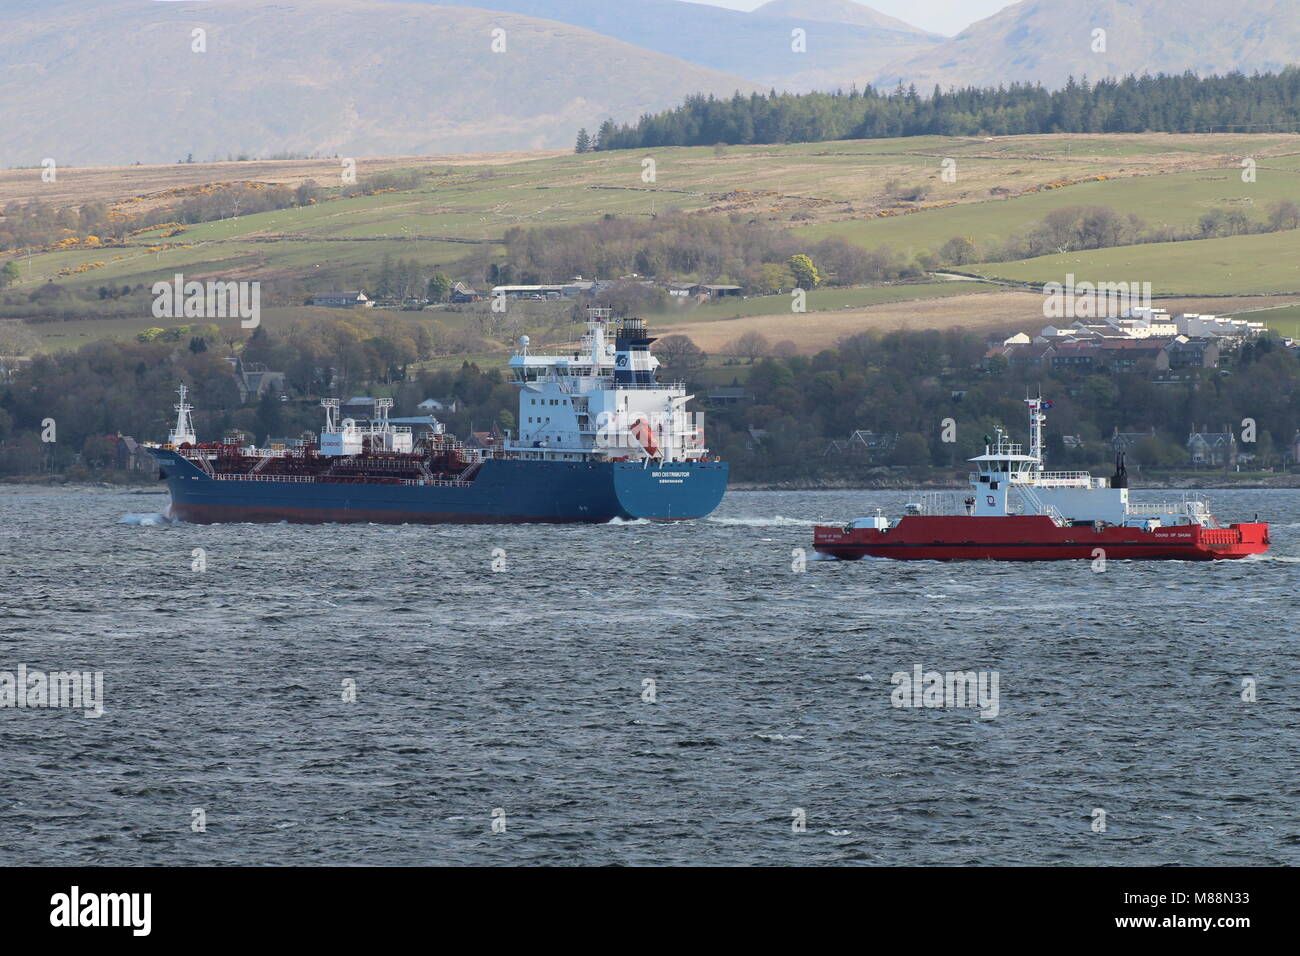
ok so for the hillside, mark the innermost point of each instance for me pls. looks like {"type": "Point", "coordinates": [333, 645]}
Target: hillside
{"type": "Point", "coordinates": [1048, 41]}
{"type": "Point", "coordinates": [756, 45]}
{"type": "Point", "coordinates": [117, 82]}
{"type": "Point", "coordinates": [456, 216]}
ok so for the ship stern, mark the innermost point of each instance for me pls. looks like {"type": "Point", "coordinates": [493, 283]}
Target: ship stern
{"type": "Point", "coordinates": [670, 491]}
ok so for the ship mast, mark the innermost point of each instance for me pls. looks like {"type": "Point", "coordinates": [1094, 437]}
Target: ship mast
{"type": "Point", "coordinates": [183, 433]}
{"type": "Point", "coordinates": [331, 406]}
{"type": "Point", "coordinates": [1036, 420]}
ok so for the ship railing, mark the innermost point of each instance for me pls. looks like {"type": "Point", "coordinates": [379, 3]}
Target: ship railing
{"type": "Point", "coordinates": [1062, 478]}
{"type": "Point", "coordinates": [1038, 505]}
{"type": "Point", "coordinates": [435, 482]}
{"type": "Point", "coordinates": [940, 503]}
{"type": "Point", "coordinates": [201, 460]}
{"type": "Point", "coordinates": [1192, 505]}
{"type": "Point", "coordinates": [1163, 508]}
{"type": "Point", "coordinates": [325, 479]}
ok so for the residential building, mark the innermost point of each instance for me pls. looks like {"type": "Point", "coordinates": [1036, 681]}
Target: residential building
{"type": "Point", "coordinates": [1128, 441]}
{"type": "Point", "coordinates": [1193, 353]}
{"type": "Point", "coordinates": [461, 293]}
{"type": "Point", "coordinates": [253, 379]}
{"type": "Point", "coordinates": [448, 406]}
{"type": "Point", "coordinates": [1075, 357]}
{"type": "Point", "coordinates": [1126, 354]}
{"type": "Point", "coordinates": [863, 442]}
{"type": "Point", "coordinates": [1212, 449]}
{"type": "Point", "coordinates": [341, 300]}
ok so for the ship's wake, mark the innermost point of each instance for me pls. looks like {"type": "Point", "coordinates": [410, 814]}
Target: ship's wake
{"type": "Point", "coordinates": [147, 520]}
{"type": "Point", "coordinates": [778, 521]}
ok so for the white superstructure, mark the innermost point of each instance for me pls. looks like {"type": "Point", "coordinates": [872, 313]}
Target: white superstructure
{"type": "Point", "coordinates": [1008, 481]}
{"type": "Point", "coordinates": [347, 437]}
{"type": "Point", "coordinates": [601, 401]}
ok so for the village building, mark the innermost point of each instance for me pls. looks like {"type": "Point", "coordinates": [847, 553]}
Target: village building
{"type": "Point", "coordinates": [447, 406]}
{"type": "Point", "coordinates": [1212, 449]}
{"type": "Point", "coordinates": [862, 442]}
{"type": "Point", "coordinates": [253, 379]}
{"type": "Point", "coordinates": [1193, 353]}
{"type": "Point", "coordinates": [1126, 442]}
{"type": "Point", "coordinates": [461, 293]}
{"type": "Point", "coordinates": [341, 300]}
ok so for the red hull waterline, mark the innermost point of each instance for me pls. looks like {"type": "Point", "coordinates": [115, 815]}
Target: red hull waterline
{"type": "Point", "coordinates": [1036, 538]}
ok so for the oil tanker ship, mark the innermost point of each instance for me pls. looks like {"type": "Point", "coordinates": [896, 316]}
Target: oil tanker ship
{"type": "Point", "coordinates": [599, 437]}
{"type": "Point", "coordinates": [1018, 511]}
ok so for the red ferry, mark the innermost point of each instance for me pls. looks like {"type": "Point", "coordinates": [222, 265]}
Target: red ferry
{"type": "Point", "coordinates": [1017, 511]}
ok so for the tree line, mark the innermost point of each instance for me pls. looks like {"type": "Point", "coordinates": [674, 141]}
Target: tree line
{"type": "Point", "coordinates": [1183, 103]}
{"type": "Point", "coordinates": [731, 249]}
{"type": "Point", "coordinates": [903, 384]}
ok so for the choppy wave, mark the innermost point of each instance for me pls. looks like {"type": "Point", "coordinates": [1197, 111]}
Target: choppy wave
{"type": "Point", "coordinates": [328, 674]}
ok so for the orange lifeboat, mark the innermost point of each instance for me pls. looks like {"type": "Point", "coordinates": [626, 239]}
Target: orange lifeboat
{"type": "Point", "coordinates": [643, 433]}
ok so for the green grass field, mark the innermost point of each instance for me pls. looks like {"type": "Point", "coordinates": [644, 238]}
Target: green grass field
{"type": "Point", "coordinates": [1285, 320]}
{"type": "Point", "coordinates": [1169, 200]}
{"type": "Point", "coordinates": [1241, 264]}
{"type": "Point", "coordinates": [818, 189]}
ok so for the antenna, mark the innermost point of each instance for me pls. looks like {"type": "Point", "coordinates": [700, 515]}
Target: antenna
{"type": "Point", "coordinates": [1036, 420]}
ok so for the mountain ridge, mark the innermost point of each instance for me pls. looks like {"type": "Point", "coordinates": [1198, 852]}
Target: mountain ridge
{"type": "Point", "coordinates": [1048, 41]}
{"type": "Point", "coordinates": [758, 48]}
{"type": "Point", "coordinates": [117, 82]}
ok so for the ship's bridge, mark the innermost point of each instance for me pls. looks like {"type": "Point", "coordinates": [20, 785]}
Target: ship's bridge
{"type": "Point", "coordinates": [602, 400]}
{"type": "Point", "coordinates": [1064, 495]}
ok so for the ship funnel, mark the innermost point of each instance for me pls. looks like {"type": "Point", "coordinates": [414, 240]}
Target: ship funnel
{"type": "Point", "coordinates": [1120, 478]}
{"type": "Point", "coordinates": [632, 354]}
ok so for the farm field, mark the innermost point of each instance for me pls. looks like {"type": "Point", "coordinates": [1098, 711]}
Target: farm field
{"type": "Point", "coordinates": [1284, 319]}
{"type": "Point", "coordinates": [1267, 263]}
{"type": "Point", "coordinates": [455, 218]}
{"type": "Point", "coordinates": [1175, 199]}
{"type": "Point", "coordinates": [836, 185]}
{"type": "Point", "coordinates": [110, 184]}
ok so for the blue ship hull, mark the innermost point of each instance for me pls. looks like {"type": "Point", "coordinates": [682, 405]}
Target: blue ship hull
{"type": "Point", "coordinates": [505, 491]}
